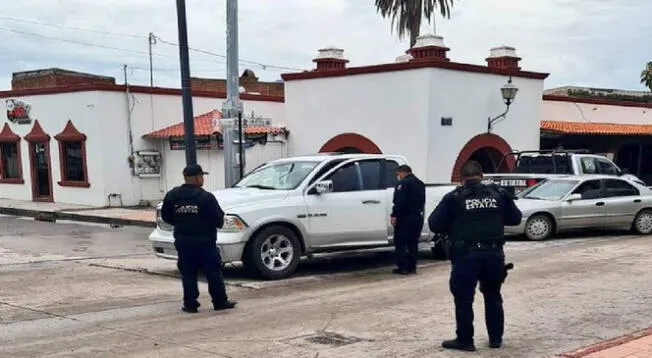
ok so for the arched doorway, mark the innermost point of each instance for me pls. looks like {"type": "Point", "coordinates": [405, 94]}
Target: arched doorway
{"type": "Point", "coordinates": [350, 143]}
{"type": "Point", "coordinates": [489, 158]}
{"type": "Point", "coordinates": [487, 149]}
{"type": "Point", "coordinates": [350, 150]}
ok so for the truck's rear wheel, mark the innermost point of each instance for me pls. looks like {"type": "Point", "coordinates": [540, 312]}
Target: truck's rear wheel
{"type": "Point", "coordinates": [273, 253]}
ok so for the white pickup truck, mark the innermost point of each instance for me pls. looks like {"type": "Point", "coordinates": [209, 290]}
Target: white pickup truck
{"type": "Point", "coordinates": [299, 206]}
{"type": "Point", "coordinates": [533, 166]}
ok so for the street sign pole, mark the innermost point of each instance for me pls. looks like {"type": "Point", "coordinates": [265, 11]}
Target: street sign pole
{"type": "Point", "coordinates": [188, 124]}
{"type": "Point", "coordinates": [232, 106]}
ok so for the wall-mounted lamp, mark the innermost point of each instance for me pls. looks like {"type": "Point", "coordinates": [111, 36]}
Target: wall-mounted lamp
{"type": "Point", "coordinates": [508, 91]}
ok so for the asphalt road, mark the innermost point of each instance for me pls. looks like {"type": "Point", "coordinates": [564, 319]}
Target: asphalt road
{"type": "Point", "coordinates": [87, 290]}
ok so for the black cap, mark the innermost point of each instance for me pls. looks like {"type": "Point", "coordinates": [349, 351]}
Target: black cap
{"type": "Point", "coordinates": [193, 170]}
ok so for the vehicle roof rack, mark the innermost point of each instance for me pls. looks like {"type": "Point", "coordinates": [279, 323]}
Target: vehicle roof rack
{"type": "Point", "coordinates": [550, 151]}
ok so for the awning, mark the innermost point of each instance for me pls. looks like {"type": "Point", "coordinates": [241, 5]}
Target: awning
{"type": "Point", "coordinates": [204, 127]}
{"type": "Point", "coordinates": [593, 128]}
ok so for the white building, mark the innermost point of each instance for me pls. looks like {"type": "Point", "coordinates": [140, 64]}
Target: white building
{"type": "Point", "coordinates": [424, 106]}
{"type": "Point", "coordinates": [84, 139]}
{"type": "Point", "coordinates": [613, 122]}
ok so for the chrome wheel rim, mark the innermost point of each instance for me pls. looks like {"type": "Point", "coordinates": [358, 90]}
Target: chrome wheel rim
{"type": "Point", "coordinates": [277, 252]}
{"type": "Point", "coordinates": [538, 228]}
{"type": "Point", "coordinates": [644, 223]}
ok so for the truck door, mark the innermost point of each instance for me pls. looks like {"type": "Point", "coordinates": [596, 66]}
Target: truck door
{"type": "Point", "coordinates": [353, 214]}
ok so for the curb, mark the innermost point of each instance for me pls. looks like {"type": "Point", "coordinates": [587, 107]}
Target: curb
{"type": "Point", "coordinates": [53, 216]}
{"type": "Point", "coordinates": [610, 343]}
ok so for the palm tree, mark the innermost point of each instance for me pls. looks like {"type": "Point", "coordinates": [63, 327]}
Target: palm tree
{"type": "Point", "coordinates": [407, 14]}
{"type": "Point", "coordinates": [646, 76]}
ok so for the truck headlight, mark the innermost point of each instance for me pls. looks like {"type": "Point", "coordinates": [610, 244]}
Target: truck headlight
{"type": "Point", "coordinates": [233, 223]}
{"type": "Point", "coordinates": [162, 225]}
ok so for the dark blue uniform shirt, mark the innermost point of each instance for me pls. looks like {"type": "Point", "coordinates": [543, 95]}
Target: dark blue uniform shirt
{"type": "Point", "coordinates": [409, 197]}
{"type": "Point", "coordinates": [194, 213]}
{"type": "Point", "coordinates": [442, 218]}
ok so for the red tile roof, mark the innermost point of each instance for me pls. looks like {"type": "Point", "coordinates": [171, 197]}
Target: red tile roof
{"type": "Point", "coordinates": [592, 128]}
{"type": "Point", "coordinates": [204, 127]}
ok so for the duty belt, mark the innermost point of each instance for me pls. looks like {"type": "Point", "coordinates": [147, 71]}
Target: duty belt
{"type": "Point", "coordinates": [485, 246]}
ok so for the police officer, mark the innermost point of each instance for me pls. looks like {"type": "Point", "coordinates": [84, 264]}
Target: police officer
{"type": "Point", "coordinates": [196, 216]}
{"type": "Point", "coordinates": [407, 219]}
{"type": "Point", "coordinates": [474, 216]}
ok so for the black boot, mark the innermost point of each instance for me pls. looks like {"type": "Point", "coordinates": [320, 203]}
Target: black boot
{"type": "Point", "coordinates": [457, 345]}
{"type": "Point", "coordinates": [191, 309]}
{"type": "Point", "coordinates": [400, 272]}
{"type": "Point", "coordinates": [495, 344]}
{"type": "Point", "coordinates": [224, 305]}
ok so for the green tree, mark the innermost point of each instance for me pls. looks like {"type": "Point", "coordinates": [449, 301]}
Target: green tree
{"type": "Point", "coordinates": [406, 15]}
{"type": "Point", "coordinates": [646, 76]}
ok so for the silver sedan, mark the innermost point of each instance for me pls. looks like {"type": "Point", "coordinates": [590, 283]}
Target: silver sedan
{"type": "Point", "coordinates": [583, 202]}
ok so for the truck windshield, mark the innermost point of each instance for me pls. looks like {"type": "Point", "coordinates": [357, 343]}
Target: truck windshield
{"type": "Point", "coordinates": [277, 176]}
{"type": "Point", "coordinates": [543, 164]}
{"type": "Point", "coordinates": [551, 189]}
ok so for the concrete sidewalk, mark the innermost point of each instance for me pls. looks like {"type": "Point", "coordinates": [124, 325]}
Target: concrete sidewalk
{"type": "Point", "coordinates": [633, 345]}
{"type": "Point", "coordinates": [124, 216]}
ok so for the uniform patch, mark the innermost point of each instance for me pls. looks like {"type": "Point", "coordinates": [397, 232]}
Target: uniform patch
{"type": "Point", "coordinates": [187, 209]}
{"type": "Point", "coordinates": [484, 203]}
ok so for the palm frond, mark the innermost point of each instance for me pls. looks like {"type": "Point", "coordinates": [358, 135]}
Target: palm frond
{"type": "Point", "coordinates": [646, 76]}
{"type": "Point", "coordinates": [406, 15]}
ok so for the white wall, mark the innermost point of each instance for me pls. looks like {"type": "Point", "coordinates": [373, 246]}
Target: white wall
{"type": "Point", "coordinates": [102, 116]}
{"type": "Point", "coordinates": [212, 161]}
{"type": "Point", "coordinates": [401, 112]}
{"type": "Point", "coordinates": [389, 108]}
{"type": "Point", "coordinates": [470, 99]}
{"type": "Point", "coordinates": [599, 113]}
{"type": "Point", "coordinates": [52, 112]}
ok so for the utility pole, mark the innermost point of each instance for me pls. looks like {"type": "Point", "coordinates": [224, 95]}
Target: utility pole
{"type": "Point", "coordinates": [232, 106]}
{"type": "Point", "coordinates": [152, 41]}
{"type": "Point", "coordinates": [188, 124]}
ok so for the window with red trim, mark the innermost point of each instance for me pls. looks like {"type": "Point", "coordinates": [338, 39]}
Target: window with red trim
{"type": "Point", "coordinates": [72, 157]}
{"type": "Point", "coordinates": [11, 170]}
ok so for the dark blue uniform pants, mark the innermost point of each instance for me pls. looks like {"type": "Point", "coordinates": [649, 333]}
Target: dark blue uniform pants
{"type": "Point", "coordinates": [486, 267]}
{"type": "Point", "coordinates": [192, 258]}
{"type": "Point", "coordinates": [406, 241]}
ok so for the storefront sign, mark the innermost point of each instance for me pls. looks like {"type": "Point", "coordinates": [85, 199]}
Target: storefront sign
{"type": "Point", "coordinates": [18, 112]}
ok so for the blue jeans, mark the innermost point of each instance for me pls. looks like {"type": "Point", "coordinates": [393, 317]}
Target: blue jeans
{"type": "Point", "coordinates": [192, 258]}
{"type": "Point", "coordinates": [487, 267]}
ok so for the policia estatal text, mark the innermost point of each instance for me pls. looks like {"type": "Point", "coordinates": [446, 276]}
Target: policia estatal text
{"type": "Point", "coordinates": [196, 216]}
{"type": "Point", "coordinates": [473, 216]}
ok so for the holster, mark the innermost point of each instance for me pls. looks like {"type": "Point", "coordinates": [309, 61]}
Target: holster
{"type": "Point", "coordinates": [506, 268]}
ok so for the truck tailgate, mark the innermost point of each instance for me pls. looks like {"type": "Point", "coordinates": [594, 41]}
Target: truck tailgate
{"type": "Point", "coordinates": [514, 183]}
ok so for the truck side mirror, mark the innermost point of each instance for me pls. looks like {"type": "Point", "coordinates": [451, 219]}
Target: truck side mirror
{"type": "Point", "coordinates": [324, 186]}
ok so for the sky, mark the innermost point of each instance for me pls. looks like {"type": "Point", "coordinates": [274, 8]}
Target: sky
{"type": "Point", "coordinates": [602, 44]}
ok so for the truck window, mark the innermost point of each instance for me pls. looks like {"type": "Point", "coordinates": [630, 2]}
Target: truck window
{"type": "Point", "coordinates": [617, 187]}
{"type": "Point", "coordinates": [346, 179]}
{"type": "Point", "coordinates": [370, 171]}
{"type": "Point", "coordinates": [543, 164]}
{"type": "Point", "coordinates": [606, 167]}
{"type": "Point", "coordinates": [390, 174]}
{"type": "Point", "coordinates": [588, 165]}
{"type": "Point", "coordinates": [330, 165]}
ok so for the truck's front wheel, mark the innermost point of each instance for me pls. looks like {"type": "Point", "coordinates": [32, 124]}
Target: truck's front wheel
{"type": "Point", "coordinates": [273, 253]}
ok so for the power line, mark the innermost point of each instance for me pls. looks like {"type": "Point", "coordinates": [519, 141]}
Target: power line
{"type": "Point", "coordinates": [262, 65]}
{"type": "Point", "coordinates": [72, 27]}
